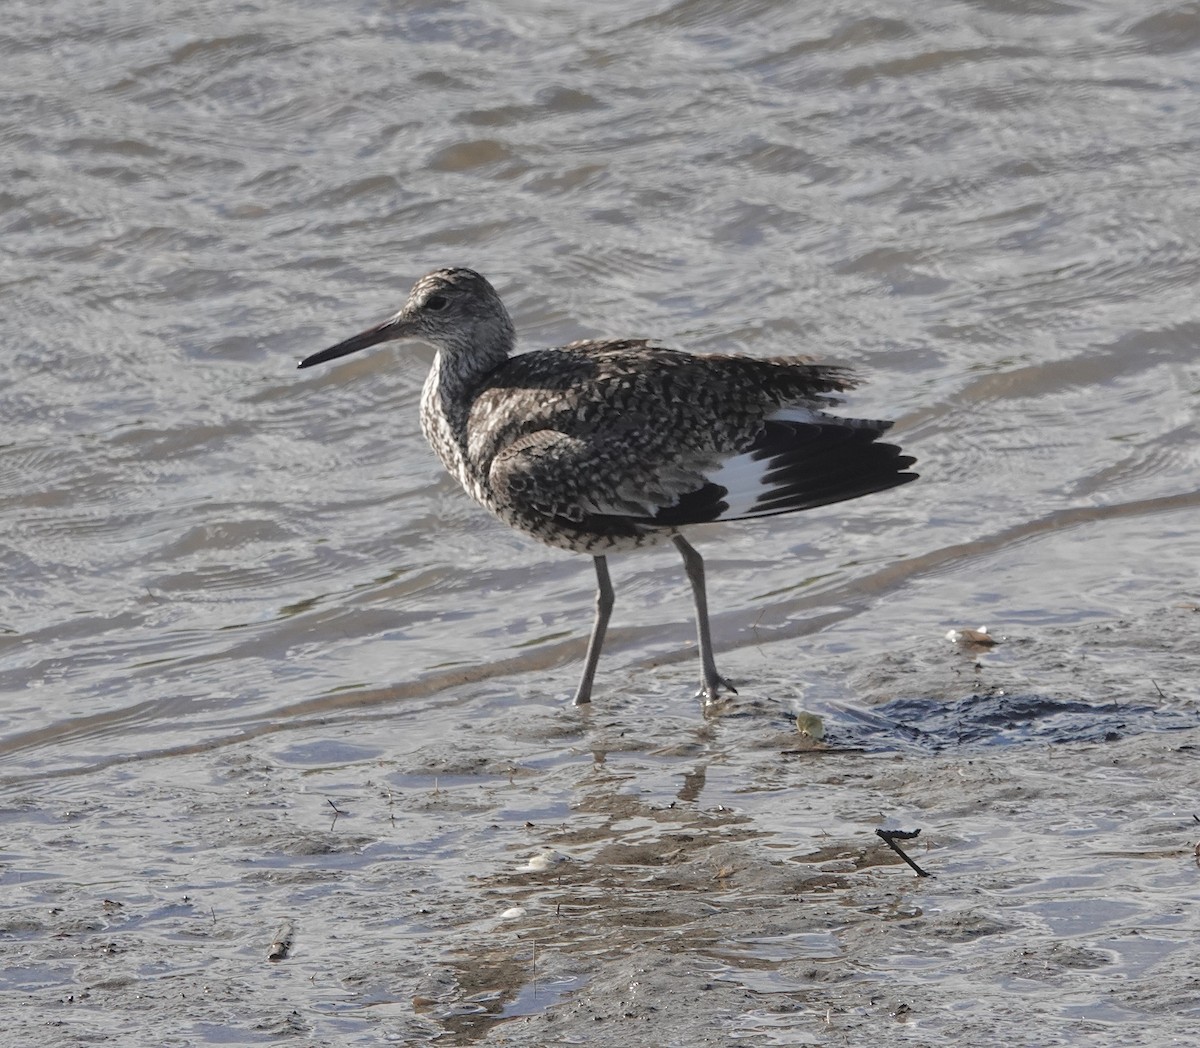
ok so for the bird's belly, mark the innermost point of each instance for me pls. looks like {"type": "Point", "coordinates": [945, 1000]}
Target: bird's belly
{"type": "Point", "coordinates": [565, 535]}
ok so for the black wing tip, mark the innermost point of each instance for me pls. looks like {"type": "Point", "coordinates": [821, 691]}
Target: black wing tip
{"type": "Point", "coordinates": [811, 465]}
{"type": "Point", "coordinates": [837, 463]}
{"type": "Point", "coordinates": [701, 506]}
{"type": "Point", "coordinates": [799, 489]}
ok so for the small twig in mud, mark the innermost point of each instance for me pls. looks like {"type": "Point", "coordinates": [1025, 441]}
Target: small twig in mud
{"type": "Point", "coordinates": [889, 837]}
{"type": "Point", "coordinates": [535, 977]}
{"type": "Point", "coordinates": [754, 630]}
{"type": "Point", "coordinates": [337, 813]}
{"type": "Point", "coordinates": [1157, 688]}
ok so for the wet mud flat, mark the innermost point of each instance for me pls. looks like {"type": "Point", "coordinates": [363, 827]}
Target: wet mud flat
{"type": "Point", "coordinates": [638, 873]}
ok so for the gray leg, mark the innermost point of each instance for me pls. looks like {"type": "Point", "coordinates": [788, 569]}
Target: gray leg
{"type": "Point", "coordinates": [604, 606]}
{"type": "Point", "coordinates": [693, 564]}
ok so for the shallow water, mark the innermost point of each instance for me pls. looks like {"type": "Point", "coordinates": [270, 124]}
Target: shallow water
{"type": "Point", "coordinates": [232, 592]}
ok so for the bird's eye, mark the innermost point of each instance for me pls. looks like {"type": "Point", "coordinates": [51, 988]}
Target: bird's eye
{"type": "Point", "coordinates": [435, 302]}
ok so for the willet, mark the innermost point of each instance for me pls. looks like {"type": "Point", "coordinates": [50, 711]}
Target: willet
{"type": "Point", "coordinates": [608, 445]}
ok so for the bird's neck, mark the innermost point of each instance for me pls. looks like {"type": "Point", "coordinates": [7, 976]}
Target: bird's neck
{"type": "Point", "coordinates": [458, 372]}
{"type": "Point", "coordinates": [450, 389]}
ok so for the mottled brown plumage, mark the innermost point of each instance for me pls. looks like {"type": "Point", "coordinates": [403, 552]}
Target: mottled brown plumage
{"type": "Point", "coordinates": [609, 445]}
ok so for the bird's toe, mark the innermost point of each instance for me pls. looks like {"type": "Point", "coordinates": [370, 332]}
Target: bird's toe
{"type": "Point", "coordinates": [710, 690]}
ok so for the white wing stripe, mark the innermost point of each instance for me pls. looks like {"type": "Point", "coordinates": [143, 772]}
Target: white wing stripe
{"type": "Point", "coordinates": [744, 477]}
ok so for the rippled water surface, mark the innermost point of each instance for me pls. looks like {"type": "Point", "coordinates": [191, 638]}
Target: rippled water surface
{"type": "Point", "coordinates": [233, 592]}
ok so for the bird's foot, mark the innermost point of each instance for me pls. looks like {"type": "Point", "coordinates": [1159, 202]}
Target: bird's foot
{"type": "Point", "coordinates": [710, 690]}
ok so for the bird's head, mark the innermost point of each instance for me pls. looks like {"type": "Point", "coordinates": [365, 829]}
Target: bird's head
{"type": "Point", "coordinates": [455, 310]}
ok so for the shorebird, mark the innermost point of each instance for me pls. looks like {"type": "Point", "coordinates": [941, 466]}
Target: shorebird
{"type": "Point", "coordinates": [606, 445]}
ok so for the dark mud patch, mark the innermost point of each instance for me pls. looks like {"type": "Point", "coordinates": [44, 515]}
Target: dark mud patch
{"type": "Point", "coordinates": [984, 720]}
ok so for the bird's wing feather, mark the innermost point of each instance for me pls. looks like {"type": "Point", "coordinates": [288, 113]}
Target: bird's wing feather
{"type": "Point", "coordinates": [561, 476]}
{"type": "Point", "coordinates": [624, 431]}
{"type": "Point", "coordinates": [790, 466]}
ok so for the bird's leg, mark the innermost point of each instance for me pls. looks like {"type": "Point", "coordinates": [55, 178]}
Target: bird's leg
{"type": "Point", "coordinates": [693, 564]}
{"type": "Point", "coordinates": [604, 606]}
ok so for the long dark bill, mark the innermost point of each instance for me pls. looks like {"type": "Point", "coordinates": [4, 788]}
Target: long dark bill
{"type": "Point", "coordinates": [393, 327]}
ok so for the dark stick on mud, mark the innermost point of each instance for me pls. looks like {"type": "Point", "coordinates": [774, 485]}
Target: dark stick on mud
{"type": "Point", "coordinates": [889, 837]}
{"type": "Point", "coordinates": [281, 944]}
